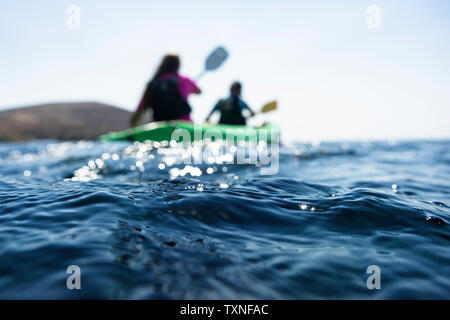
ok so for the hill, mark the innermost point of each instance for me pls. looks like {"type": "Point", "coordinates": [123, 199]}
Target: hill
{"type": "Point", "coordinates": [62, 121]}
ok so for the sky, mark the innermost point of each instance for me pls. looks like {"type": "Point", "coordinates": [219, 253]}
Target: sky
{"type": "Point", "coordinates": [338, 69]}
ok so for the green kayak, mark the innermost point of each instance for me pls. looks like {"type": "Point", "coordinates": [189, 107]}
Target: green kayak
{"type": "Point", "coordinates": [188, 131]}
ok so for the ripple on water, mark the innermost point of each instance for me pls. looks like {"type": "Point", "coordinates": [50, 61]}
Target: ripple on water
{"type": "Point", "coordinates": [142, 224]}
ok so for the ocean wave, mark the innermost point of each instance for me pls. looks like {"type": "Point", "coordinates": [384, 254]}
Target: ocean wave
{"type": "Point", "coordinates": [140, 225]}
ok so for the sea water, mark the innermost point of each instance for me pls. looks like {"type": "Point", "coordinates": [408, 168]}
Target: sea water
{"type": "Point", "coordinates": [140, 222]}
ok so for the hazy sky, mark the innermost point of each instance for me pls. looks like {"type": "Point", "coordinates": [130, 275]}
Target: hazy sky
{"type": "Point", "coordinates": [334, 77]}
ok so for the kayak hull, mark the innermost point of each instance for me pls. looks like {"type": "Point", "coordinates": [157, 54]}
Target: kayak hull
{"type": "Point", "coordinates": [188, 131]}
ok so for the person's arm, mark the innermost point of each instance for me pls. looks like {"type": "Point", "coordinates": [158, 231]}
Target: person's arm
{"type": "Point", "coordinates": [195, 88]}
{"type": "Point", "coordinates": [245, 106]}
{"type": "Point", "coordinates": [214, 109]}
{"type": "Point", "coordinates": [187, 86]}
{"type": "Point", "coordinates": [134, 120]}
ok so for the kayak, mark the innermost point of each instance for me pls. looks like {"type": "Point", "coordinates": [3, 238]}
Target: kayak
{"type": "Point", "coordinates": [187, 131]}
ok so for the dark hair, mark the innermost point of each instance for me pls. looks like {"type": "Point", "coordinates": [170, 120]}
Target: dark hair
{"type": "Point", "coordinates": [169, 64]}
{"type": "Point", "coordinates": [236, 86]}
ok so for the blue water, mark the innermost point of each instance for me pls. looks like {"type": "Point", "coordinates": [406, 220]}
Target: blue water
{"type": "Point", "coordinates": [140, 230]}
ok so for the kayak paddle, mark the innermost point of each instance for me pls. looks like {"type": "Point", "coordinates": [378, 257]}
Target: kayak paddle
{"type": "Point", "coordinates": [268, 107]}
{"type": "Point", "coordinates": [214, 60]}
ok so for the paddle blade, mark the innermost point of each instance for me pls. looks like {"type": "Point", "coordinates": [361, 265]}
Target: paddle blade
{"type": "Point", "coordinates": [271, 106]}
{"type": "Point", "coordinates": [216, 58]}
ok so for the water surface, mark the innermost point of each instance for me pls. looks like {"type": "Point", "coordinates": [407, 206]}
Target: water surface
{"type": "Point", "coordinates": [141, 226]}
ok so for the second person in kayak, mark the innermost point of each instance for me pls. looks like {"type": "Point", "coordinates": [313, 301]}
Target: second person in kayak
{"type": "Point", "coordinates": [231, 108]}
{"type": "Point", "coordinates": [167, 93]}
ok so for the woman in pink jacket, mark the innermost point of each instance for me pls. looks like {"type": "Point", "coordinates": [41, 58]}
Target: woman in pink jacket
{"type": "Point", "coordinates": [167, 93]}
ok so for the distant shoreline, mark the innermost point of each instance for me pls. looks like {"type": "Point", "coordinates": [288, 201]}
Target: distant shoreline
{"type": "Point", "coordinates": [61, 121]}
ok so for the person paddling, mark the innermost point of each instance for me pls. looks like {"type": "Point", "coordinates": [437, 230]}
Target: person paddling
{"type": "Point", "coordinates": [167, 93]}
{"type": "Point", "coordinates": [231, 108]}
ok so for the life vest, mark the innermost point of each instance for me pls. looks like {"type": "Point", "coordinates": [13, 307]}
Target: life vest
{"type": "Point", "coordinates": [231, 111]}
{"type": "Point", "coordinates": [167, 102]}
